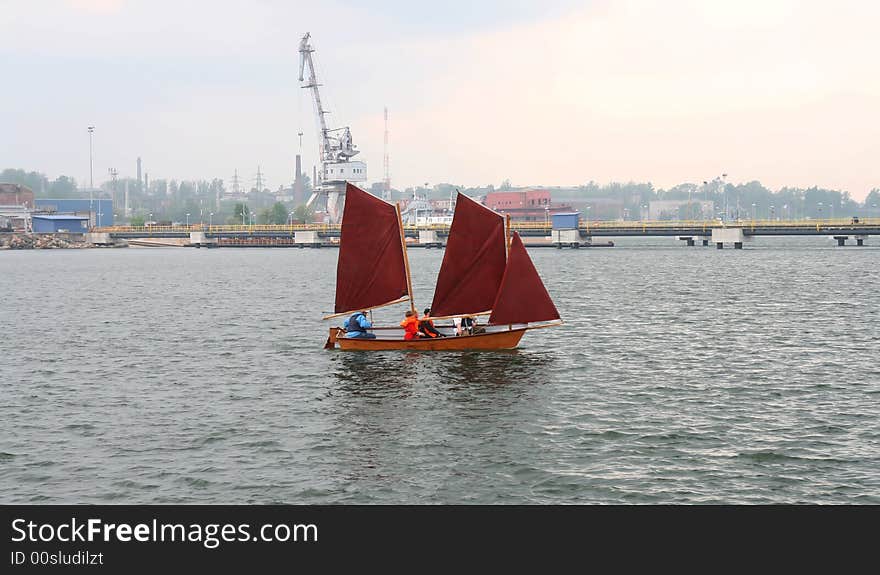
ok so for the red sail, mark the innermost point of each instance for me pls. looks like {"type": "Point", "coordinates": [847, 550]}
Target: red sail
{"type": "Point", "coordinates": [522, 297]}
{"type": "Point", "coordinates": [371, 270]}
{"type": "Point", "coordinates": [473, 263]}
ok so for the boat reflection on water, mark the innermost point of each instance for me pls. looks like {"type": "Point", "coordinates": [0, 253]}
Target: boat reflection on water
{"type": "Point", "coordinates": [372, 374]}
{"type": "Point", "coordinates": [396, 414]}
{"type": "Point", "coordinates": [396, 374]}
{"type": "Point", "coordinates": [501, 368]}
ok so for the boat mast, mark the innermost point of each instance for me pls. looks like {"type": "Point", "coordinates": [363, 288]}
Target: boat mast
{"type": "Point", "coordinates": [412, 303]}
{"type": "Point", "coordinates": [507, 251]}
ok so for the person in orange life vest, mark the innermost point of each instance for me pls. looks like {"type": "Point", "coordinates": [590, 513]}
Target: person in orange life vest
{"type": "Point", "coordinates": [426, 325]}
{"type": "Point", "coordinates": [410, 325]}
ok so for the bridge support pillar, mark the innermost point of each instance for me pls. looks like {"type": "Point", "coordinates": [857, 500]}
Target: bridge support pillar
{"type": "Point", "coordinates": [199, 239]}
{"type": "Point", "coordinates": [721, 236]}
{"type": "Point", "coordinates": [566, 237]}
{"type": "Point", "coordinates": [429, 239]}
{"type": "Point", "coordinates": [860, 240]}
{"type": "Point", "coordinates": [99, 238]}
{"type": "Point", "coordinates": [841, 240]}
{"type": "Point", "coordinates": [690, 240]}
{"type": "Point", "coordinates": [705, 241]}
{"type": "Point", "coordinates": [306, 239]}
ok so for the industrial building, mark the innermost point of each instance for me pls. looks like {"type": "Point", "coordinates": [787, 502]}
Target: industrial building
{"type": "Point", "coordinates": [98, 211]}
{"type": "Point", "coordinates": [528, 205]}
{"type": "Point", "coordinates": [16, 202]}
{"type": "Point", "coordinates": [16, 195]}
{"type": "Point", "coordinates": [52, 224]}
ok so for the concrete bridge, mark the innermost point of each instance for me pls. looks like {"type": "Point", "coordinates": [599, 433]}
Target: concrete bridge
{"type": "Point", "coordinates": [691, 232]}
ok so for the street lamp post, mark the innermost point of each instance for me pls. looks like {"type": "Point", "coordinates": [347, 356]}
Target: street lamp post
{"type": "Point", "coordinates": [187, 219]}
{"type": "Point", "coordinates": [99, 218]}
{"type": "Point", "coordinates": [772, 212]}
{"type": "Point", "coordinates": [820, 210]}
{"type": "Point", "coordinates": [91, 176]}
{"type": "Point", "coordinates": [210, 219]}
{"type": "Point", "coordinates": [754, 211]}
{"type": "Point", "coordinates": [644, 209]}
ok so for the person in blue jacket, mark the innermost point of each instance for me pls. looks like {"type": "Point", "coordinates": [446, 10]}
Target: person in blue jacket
{"type": "Point", "coordinates": [357, 326]}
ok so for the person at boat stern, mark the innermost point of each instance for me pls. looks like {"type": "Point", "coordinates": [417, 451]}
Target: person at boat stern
{"type": "Point", "coordinates": [426, 325]}
{"type": "Point", "coordinates": [357, 326]}
{"type": "Point", "coordinates": [410, 325]}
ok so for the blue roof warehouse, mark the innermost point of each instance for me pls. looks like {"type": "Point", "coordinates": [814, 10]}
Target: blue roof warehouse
{"type": "Point", "coordinates": [100, 209]}
{"type": "Point", "coordinates": [45, 224]}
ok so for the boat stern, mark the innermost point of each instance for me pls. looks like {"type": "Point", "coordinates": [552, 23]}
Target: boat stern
{"type": "Point", "coordinates": [332, 337]}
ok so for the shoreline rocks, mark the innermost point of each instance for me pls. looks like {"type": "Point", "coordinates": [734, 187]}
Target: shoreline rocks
{"type": "Point", "coordinates": [39, 242]}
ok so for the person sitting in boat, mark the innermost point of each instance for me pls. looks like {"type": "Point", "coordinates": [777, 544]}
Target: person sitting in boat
{"type": "Point", "coordinates": [357, 326]}
{"type": "Point", "coordinates": [410, 325]}
{"type": "Point", "coordinates": [426, 325]}
{"type": "Point", "coordinates": [467, 325]}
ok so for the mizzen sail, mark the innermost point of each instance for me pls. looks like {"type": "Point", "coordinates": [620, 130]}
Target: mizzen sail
{"type": "Point", "coordinates": [371, 271]}
{"type": "Point", "coordinates": [474, 262]}
{"type": "Point", "coordinates": [522, 297]}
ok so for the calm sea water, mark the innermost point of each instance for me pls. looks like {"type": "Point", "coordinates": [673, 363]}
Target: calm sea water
{"type": "Point", "coordinates": [683, 375]}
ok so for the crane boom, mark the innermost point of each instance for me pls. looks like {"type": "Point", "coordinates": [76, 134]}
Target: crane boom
{"type": "Point", "coordinates": [305, 51]}
{"type": "Point", "coordinates": [337, 151]}
{"type": "Point", "coordinates": [333, 149]}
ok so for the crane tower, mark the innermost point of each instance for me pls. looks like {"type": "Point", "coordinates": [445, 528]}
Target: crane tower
{"type": "Point", "coordinates": [335, 146]}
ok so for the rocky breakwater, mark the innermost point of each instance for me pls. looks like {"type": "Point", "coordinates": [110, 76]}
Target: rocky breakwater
{"type": "Point", "coordinates": [40, 242]}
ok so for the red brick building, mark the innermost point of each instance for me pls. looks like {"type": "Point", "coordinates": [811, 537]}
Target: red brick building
{"type": "Point", "coordinates": [527, 205]}
{"type": "Point", "coordinates": [16, 195]}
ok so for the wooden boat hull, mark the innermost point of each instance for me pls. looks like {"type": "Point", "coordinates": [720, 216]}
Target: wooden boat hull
{"type": "Point", "coordinates": [507, 339]}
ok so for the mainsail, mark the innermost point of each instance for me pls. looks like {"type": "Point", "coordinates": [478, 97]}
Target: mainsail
{"type": "Point", "coordinates": [371, 271]}
{"type": "Point", "coordinates": [522, 297]}
{"type": "Point", "coordinates": [474, 262]}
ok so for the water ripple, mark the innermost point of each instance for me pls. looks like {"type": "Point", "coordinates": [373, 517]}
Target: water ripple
{"type": "Point", "coordinates": [683, 375]}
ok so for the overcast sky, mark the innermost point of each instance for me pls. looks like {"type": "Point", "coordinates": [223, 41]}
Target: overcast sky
{"type": "Point", "coordinates": [554, 92]}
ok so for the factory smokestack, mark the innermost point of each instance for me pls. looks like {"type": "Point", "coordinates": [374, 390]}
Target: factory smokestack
{"type": "Point", "coordinates": [298, 191]}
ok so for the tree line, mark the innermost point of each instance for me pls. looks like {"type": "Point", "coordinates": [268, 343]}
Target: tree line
{"type": "Point", "coordinates": [207, 201]}
{"type": "Point", "coordinates": [163, 200]}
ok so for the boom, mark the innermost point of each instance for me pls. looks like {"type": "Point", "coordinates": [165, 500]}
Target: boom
{"type": "Point", "coordinates": [333, 149]}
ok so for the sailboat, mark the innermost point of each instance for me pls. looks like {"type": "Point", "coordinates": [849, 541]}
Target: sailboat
{"type": "Point", "coordinates": [486, 270]}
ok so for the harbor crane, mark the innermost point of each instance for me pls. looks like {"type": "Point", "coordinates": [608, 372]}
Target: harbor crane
{"type": "Point", "coordinates": [336, 146]}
